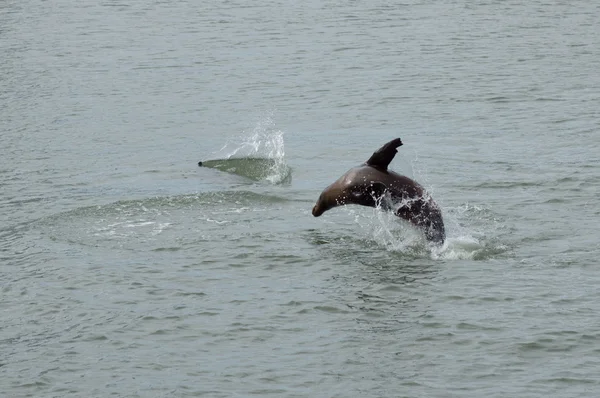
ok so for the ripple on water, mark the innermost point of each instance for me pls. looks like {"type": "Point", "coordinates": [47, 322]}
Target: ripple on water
{"type": "Point", "coordinates": [155, 223]}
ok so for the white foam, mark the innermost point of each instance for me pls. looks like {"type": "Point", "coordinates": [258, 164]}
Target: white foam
{"type": "Point", "coordinates": [458, 248]}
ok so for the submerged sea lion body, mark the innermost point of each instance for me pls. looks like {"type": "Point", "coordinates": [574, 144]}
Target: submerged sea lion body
{"type": "Point", "coordinates": [372, 184]}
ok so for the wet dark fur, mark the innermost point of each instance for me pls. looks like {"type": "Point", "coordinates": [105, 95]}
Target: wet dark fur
{"type": "Point", "coordinates": [369, 184]}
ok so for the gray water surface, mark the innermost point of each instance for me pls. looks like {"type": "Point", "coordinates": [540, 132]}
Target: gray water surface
{"type": "Point", "coordinates": [127, 270]}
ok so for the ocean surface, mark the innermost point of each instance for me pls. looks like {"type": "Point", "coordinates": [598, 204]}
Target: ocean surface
{"type": "Point", "coordinates": [126, 270]}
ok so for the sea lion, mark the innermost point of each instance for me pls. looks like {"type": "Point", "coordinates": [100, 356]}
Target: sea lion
{"type": "Point", "coordinates": [372, 184]}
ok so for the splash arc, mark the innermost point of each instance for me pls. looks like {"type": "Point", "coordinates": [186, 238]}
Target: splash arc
{"type": "Point", "coordinates": [372, 184]}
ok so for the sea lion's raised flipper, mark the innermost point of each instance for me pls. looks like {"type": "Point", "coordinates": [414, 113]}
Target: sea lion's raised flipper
{"type": "Point", "coordinates": [382, 157]}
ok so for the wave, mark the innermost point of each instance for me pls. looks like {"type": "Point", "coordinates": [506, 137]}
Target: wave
{"type": "Point", "coordinates": [258, 155]}
{"type": "Point", "coordinates": [257, 169]}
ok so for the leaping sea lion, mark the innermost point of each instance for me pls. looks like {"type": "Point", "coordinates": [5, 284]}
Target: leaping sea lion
{"type": "Point", "coordinates": [371, 183]}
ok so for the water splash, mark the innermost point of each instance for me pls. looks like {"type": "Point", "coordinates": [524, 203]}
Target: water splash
{"type": "Point", "coordinates": [258, 154]}
{"type": "Point", "coordinates": [393, 233]}
{"type": "Point", "coordinates": [472, 232]}
{"type": "Point", "coordinates": [469, 233]}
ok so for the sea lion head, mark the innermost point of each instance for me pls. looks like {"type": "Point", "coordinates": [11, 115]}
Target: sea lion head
{"type": "Point", "coordinates": [346, 190]}
{"type": "Point", "coordinates": [336, 194]}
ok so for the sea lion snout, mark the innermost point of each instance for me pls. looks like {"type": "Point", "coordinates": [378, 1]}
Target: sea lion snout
{"type": "Point", "coordinates": [316, 211]}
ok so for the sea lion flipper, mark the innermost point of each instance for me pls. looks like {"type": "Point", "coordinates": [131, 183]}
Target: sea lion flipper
{"type": "Point", "coordinates": [382, 157]}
